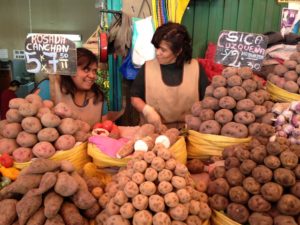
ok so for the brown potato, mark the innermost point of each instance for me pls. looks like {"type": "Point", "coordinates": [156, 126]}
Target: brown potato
{"type": "Point", "coordinates": [271, 191]}
{"type": "Point", "coordinates": [240, 217]}
{"type": "Point", "coordinates": [258, 204]}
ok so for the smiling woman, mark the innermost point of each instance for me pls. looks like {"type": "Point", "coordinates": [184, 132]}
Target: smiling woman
{"type": "Point", "coordinates": [79, 91]}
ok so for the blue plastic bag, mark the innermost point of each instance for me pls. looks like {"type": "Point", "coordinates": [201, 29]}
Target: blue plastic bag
{"type": "Point", "coordinates": [127, 69]}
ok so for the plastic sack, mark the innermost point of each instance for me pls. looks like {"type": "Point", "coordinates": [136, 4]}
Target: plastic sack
{"type": "Point", "coordinates": [102, 160]}
{"type": "Point", "coordinates": [219, 218]}
{"type": "Point", "coordinates": [203, 146]}
{"type": "Point", "coordinates": [142, 49]}
{"type": "Point", "coordinates": [127, 69]}
{"type": "Point", "coordinates": [278, 94]}
{"type": "Point", "coordinates": [77, 156]}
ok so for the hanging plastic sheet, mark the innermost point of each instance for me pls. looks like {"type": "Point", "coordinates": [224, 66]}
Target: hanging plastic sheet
{"type": "Point", "coordinates": [127, 69]}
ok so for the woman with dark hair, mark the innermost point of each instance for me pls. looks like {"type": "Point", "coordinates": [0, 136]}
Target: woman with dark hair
{"type": "Point", "coordinates": [79, 91]}
{"type": "Point", "coordinates": [167, 86]}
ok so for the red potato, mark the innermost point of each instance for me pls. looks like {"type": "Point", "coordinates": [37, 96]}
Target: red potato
{"type": "Point", "coordinates": [25, 139]}
{"type": "Point", "coordinates": [234, 80]}
{"type": "Point", "coordinates": [220, 92]}
{"type": "Point", "coordinates": [35, 99]}
{"type": "Point", "coordinates": [48, 104]}
{"type": "Point", "coordinates": [249, 85]}
{"type": "Point", "coordinates": [196, 107]}
{"type": "Point", "coordinates": [13, 116]}
{"type": "Point", "coordinates": [237, 92]}
{"type": "Point", "coordinates": [8, 145]}
{"type": "Point", "coordinates": [43, 149]}
{"type": "Point", "coordinates": [201, 181]}
{"type": "Point", "coordinates": [28, 109]}
{"type": "Point", "coordinates": [11, 130]}
{"type": "Point", "coordinates": [62, 110]}
{"type": "Point", "coordinates": [229, 71]}
{"type": "Point", "coordinates": [83, 126]}
{"type": "Point", "coordinates": [245, 72]}
{"type": "Point", "coordinates": [210, 103]}
{"type": "Point", "coordinates": [65, 142]}
{"type": "Point", "coordinates": [50, 120]}
{"type": "Point", "coordinates": [48, 134]}
{"type": "Point", "coordinates": [209, 91]}
{"type": "Point", "coordinates": [67, 126]}
{"type": "Point", "coordinates": [227, 102]}
{"type": "Point", "coordinates": [16, 102]}
{"type": "Point", "coordinates": [233, 129]}
{"type": "Point", "coordinates": [31, 125]}
{"type": "Point", "coordinates": [223, 116]}
{"type": "Point", "coordinates": [210, 127]}
{"type": "Point", "coordinates": [218, 81]}
{"type": "Point", "coordinates": [192, 122]}
{"type": "Point", "coordinates": [22, 154]}
{"type": "Point", "coordinates": [42, 111]}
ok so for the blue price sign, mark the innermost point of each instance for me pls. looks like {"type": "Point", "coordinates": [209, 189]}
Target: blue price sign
{"type": "Point", "coordinates": [51, 54]}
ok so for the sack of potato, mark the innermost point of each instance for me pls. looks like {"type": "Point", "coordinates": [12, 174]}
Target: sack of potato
{"type": "Point", "coordinates": [37, 129]}
{"type": "Point", "coordinates": [284, 81]}
{"type": "Point", "coordinates": [49, 192]}
{"type": "Point", "coordinates": [234, 105]}
{"type": "Point", "coordinates": [106, 152]}
{"type": "Point", "coordinates": [259, 183]}
{"type": "Point", "coordinates": [153, 189]}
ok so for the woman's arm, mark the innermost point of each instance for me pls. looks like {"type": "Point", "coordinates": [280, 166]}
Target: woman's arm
{"type": "Point", "coordinates": [138, 103]}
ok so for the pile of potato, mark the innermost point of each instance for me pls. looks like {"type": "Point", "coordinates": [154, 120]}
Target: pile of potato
{"type": "Point", "coordinates": [234, 104]}
{"type": "Point", "coordinates": [50, 193]}
{"type": "Point", "coordinates": [153, 189]}
{"type": "Point", "coordinates": [259, 184]}
{"type": "Point", "coordinates": [286, 75]}
{"type": "Point", "coordinates": [36, 128]}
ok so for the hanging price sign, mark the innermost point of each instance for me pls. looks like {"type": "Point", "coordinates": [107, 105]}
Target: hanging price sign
{"type": "Point", "coordinates": [239, 49]}
{"type": "Point", "coordinates": [50, 54]}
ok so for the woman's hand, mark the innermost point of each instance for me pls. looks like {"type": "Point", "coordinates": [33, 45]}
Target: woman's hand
{"type": "Point", "coordinates": [152, 116]}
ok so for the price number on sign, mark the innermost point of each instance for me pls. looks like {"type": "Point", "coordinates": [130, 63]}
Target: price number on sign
{"type": "Point", "coordinates": [51, 54]}
{"type": "Point", "coordinates": [41, 64]}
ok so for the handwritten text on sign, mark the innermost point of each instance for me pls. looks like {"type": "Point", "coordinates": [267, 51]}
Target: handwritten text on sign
{"type": "Point", "coordinates": [51, 54]}
{"type": "Point", "coordinates": [239, 49]}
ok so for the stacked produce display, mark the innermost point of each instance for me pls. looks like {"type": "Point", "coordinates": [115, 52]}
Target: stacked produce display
{"type": "Point", "coordinates": [36, 128]}
{"type": "Point", "coordinates": [48, 192]}
{"type": "Point", "coordinates": [234, 104]}
{"type": "Point", "coordinates": [259, 184]}
{"type": "Point", "coordinates": [153, 189]}
{"type": "Point", "coordinates": [286, 75]}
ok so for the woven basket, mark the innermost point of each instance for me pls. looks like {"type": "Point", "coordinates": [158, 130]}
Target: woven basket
{"type": "Point", "coordinates": [77, 156]}
{"type": "Point", "coordinates": [203, 146]}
